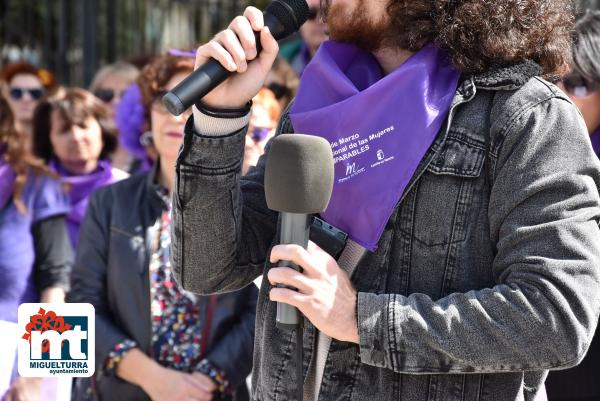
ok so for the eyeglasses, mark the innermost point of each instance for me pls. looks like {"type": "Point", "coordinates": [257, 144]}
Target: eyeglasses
{"type": "Point", "coordinates": [578, 86]}
{"type": "Point", "coordinates": [259, 134]}
{"type": "Point", "coordinates": [313, 13]}
{"type": "Point", "coordinates": [107, 95]}
{"type": "Point", "coordinates": [18, 93]}
{"type": "Point", "coordinates": [280, 91]}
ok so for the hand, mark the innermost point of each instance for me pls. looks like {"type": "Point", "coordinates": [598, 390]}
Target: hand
{"type": "Point", "coordinates": [325, 294]}
{"type": "Point", "coordinates": [172, 385]}
{"type": "Point", "coordinates": [24, 389]}
{"type": "Point", "coordinates": [206, 381]}
{"type": "Point", "coordinates": [233, 48]}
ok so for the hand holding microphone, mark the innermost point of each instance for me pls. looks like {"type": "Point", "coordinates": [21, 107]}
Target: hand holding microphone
{"type": "Point", "coordinates": [298, 183]}
{"type": "Point", "coordinates": [231, 68]}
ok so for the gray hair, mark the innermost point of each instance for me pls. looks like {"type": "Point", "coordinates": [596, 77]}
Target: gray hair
{"type": "Point", "coordinates": [122, 69]}
{"type": "Point", "coordinates": [586, 46]}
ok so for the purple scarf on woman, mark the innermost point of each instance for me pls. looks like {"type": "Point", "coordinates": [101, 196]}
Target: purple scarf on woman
{"type": "Point", "coordinates": [80, 187]}
{"type": "Point", "coordinates": [7, 178]}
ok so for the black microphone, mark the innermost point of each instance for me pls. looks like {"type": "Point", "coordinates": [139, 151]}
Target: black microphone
{"type": "Point", "coordinates": [282, 17]}
{"type": "Point", "coordinates": [298, 183]}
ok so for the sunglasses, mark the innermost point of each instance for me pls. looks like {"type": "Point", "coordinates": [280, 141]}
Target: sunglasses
{"type": "Point", "coordinates": [18, 93]}
{"type": "Point", "coordinates": [578, 86]}
{"type": "Point", "coordinates": [106, 95]}
{"type": "Point", "coordinates": [313, 13]}
{"type": "Point", "coordinates": [280, 91]}
{"type": "Point", "coordinates": [259, 134]}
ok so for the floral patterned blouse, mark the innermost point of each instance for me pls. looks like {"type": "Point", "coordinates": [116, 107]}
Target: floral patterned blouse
{"type": "Point", "coordinates": [176, 321]}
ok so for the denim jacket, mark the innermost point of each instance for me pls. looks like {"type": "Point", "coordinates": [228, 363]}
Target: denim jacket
{"type": "Point", "coordinates": [487, 273]}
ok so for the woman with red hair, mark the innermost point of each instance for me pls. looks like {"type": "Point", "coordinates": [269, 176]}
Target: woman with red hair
{"type": "Point", "coordinates": [23, 87]}
{"type": "Point", "coordinates": [35, 253]}
{"type": "Point", "coordinates": [154, 340]}
{"type": "Point", "coordinates": [265, 114]}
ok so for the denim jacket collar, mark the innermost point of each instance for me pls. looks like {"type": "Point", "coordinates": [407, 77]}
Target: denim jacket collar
{"type": "Point", "coordinates": [507, 77]}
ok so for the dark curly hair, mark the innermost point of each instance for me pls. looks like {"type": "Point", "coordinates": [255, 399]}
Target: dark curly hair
{"type": "Point", "coordinates": [75, 105]}
{"type": "Point", "coordinates": [482, 34]}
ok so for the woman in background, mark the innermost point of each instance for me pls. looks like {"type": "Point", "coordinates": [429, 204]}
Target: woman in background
{"type": "Point", "coordinates": [35, 253]}
{"type": "Point", "coordinates": [283, 81]}
{"type": "Point", "coordinates": [582, 85]}
{"type": "Point", "coordinates": [109, 85]}
{"type": "Point", "coordinates": [583, 81]}
{"type": "Point", "coordinates": [71, 134]}
{"type": "Point", "coordinates": [153, 339]}
{"type": "Point", "coordinates": [263, 121]}
{"type": "Point", "coordinates": [24, 87]}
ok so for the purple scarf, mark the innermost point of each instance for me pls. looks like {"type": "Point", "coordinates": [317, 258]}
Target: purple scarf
{"type": "Point", "coordinates": [79, 191]}
{"type": "Point", "coordinates": [379, 128]}
{"type": "Point", "coordinates": [7, 178]}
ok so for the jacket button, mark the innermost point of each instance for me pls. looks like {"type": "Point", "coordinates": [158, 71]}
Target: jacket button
{"type": "Point", "coordinates": [334, 377]}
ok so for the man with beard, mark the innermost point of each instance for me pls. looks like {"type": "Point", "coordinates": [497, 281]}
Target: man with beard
{"type": "Point", "coordinates": [471, 266]}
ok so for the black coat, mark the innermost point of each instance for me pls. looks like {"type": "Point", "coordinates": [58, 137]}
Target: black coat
{"type": "Point", "coordinates": [112, 273]}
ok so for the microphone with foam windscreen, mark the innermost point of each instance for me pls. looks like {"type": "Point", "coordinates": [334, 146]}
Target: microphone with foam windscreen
{"type": "Point", "coordinates": [298, 183]}
{"type": "Point", "coordinates": [282, 17]}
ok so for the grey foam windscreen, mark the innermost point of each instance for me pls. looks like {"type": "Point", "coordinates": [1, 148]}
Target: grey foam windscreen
{"type": "Point", "coordinates": [299, 174]}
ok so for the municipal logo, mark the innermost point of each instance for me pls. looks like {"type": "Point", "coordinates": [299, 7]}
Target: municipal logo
{"type": "Point", "coordinates": [56, 340]}
{"type": "Point", "coordinates": [350, 168]}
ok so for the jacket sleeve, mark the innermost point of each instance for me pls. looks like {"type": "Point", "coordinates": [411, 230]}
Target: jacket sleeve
{"type": "Point", "coordinates": [53, 253]}
{"type": "Point", "coordinates": [88, 280]}
{"type": "Point", "coordinates": [222, 228]}
{"type": "Point", "coordinates": [233, 352]}
{"type": "Point", "coordinates": [543, 310]}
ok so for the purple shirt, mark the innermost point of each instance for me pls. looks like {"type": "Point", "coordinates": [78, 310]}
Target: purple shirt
{"type": "Point", "coordinates": [43, 197]}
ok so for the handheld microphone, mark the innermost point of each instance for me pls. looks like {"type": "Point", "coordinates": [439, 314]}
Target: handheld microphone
{"type": "Point", "coordinates": [282, 17]}
{"type": "Point", "coordinates": [298, 183]}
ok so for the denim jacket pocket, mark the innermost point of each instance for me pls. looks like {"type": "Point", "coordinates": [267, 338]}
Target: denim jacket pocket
{"type": "Point", "coordinates": [445, 191]}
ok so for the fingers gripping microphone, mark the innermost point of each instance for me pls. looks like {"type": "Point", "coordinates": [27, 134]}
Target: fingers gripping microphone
{"type": "Point", "coordinates": [282, 17]}
{"type": "Point", "coordinates": [298, 182]}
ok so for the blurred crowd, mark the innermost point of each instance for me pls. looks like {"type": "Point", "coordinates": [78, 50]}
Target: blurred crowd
{"type": "Point", "coordinates": [86, 176]}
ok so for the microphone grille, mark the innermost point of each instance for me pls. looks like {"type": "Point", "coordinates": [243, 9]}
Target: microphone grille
{"type": "Point", "coordinates": [299, 174]}
{"type": "Point", "coordinates": [291, 13]}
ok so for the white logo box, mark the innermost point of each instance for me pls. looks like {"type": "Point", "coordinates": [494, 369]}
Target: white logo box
{"type": "Point", "coordinates": [60, 340]}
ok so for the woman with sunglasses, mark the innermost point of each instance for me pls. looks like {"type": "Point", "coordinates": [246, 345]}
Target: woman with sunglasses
{"type": "Point", "coordinates": [24, 86]}
{"type": "Point", "coordinates": [35, 253]}
{"type": "Point", "coordinates": [109, 85]}
{"type": "Point", "coordinates": [583, 82]}
{"type": "Point", "coordinates": [283, 81]}
{"type": "Point", "coordinates": [72, 135]}
{"type": "Point", "coordinates": [582, 85]}
{"type": "Point", "coordinates": [153, 339]}
{"type": "Point", "coordinates": [265, 115]}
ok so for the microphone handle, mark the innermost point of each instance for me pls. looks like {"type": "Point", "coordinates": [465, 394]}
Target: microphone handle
{"type": "Point", "coordinates": [209, 75]}
{"type": "Point", "coordinates": [295, 229]}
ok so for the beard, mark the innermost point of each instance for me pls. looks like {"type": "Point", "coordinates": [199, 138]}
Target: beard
{"type": "Point", "coordinates": [356, 28]}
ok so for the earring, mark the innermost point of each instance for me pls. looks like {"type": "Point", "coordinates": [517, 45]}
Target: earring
{"type": "Point", "coordinates": [146, 139]}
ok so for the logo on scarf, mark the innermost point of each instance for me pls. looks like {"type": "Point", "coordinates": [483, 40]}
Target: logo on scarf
{"type": "Point", "coordinates": [57, 340]}
{"type": "Point", "coordinates": [350, 168]}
